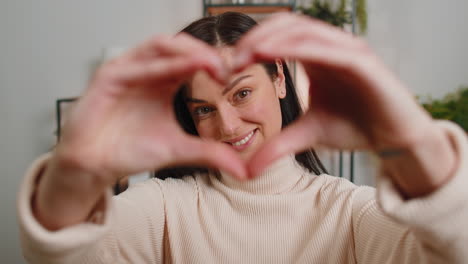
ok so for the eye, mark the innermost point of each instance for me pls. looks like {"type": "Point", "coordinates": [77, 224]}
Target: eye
{"type": "Point", "coordinates": [242, 94]}
{"type": "Point", "coordinates": [202, 111]}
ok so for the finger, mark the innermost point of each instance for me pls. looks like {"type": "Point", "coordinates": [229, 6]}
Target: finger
{"type": "Point", "coordinates": [276, 23]}
{"type": "Point", "coordinates": [186, 45]}
{"type": "Point", "coordinates": [190, 46]}
{"type": "Point", "coordinates": [311, 130]}
{"type": "Point", "coordinates": [318, 54]}
{"type": "Point", "coordinates": [148, 48]}
{"type": "Point", "coordinates": [362, 67]}
{"type": "Point", "coordinates": [313, 31]}
{"type": "Point", "coordinates": [175, 69]}
{"type": "Point", "coordinates": [180, 45]}
{"type": "Point", "coordinates": [272, 25]}
{"type": "Point", "coordinates": [354, 65]}
{"type": "Point", "coordinates": [297, 137]}
{"type": "Point", "coordinates": [212, 154]}
{"type": "Point", "coordinates": [299, 28]}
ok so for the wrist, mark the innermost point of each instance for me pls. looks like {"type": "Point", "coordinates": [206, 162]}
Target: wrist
{"type": "Point", "coordinates": [423, 165]}
{"type": "Point", "coordinates": [65, 194]}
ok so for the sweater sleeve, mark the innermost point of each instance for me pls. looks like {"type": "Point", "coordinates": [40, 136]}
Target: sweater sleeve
{"type": "Point", "coordinates": [128, 228]}
{"type": "Point", "coordinates": [429, 229]}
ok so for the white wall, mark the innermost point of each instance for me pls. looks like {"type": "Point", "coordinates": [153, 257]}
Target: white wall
{"type": "Point", "coordinates": [425, 44]}
{"type": "Point", "coordinates": [47, 51]}
{"type": "Point", "coordinates": [48, 48]}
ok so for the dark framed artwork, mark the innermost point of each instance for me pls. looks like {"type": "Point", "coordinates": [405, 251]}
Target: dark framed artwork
{"type": "Point", "coordinates": [61, 107]}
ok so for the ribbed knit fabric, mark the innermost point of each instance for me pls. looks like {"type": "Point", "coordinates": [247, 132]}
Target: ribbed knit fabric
{"type": "Point", "coordinates": [286, 215]}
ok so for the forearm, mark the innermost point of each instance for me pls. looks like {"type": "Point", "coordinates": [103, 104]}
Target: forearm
{"type": "Point", "coordinates": [65, 195]}
{"type": "Point", "coordinates": [438, 219]}
{"type": "Point", "coordinates": [424, 166]}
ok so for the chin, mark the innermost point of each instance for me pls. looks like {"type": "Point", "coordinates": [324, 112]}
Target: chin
{"type": "Point", "coordinates": [246, 155]}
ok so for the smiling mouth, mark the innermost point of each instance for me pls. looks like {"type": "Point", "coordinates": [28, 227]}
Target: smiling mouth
{"type": "Point", "coordinates": [243, 142]}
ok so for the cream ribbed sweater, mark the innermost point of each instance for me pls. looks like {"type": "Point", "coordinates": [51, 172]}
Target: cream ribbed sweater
{"type": "Point", "coordinates": [286, 215]}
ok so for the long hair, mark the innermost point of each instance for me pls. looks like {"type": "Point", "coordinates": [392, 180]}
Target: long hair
{"type": "Point", "coordinates": [226, 29]}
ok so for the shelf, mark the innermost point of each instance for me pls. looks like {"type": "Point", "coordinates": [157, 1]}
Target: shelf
{"type": "Point", "coordinates": [216, 9]}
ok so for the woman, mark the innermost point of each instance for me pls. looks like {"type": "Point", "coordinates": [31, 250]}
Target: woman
{"type": "Point", "coordinates": [235, 91]}
{"type": "Point", "coordinates": [230, 27]}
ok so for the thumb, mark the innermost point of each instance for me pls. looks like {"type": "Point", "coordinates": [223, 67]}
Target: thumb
{"type": "Point", "coordinates": [214, 155]}
{"type": "Point", "coordinates": [295, 138]}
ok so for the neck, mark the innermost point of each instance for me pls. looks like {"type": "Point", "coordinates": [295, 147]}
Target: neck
{"type": "Point", "coordinates": [280, 177]}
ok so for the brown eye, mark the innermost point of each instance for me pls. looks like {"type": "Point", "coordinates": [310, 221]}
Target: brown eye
{"type": "Point", "coordinates": [202, 111]}
{"type": "Point", "coordinates": [243, 94]}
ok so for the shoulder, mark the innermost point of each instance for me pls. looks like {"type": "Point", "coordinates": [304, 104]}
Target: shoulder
{"type": "Point", "coordinates": [157, 188]}
{"type": "Point", "coordinates": [333, 184]}
{"type": "Point", "coordinates": [341, 189]}
{"type": "Point", "coordinates": [361, 199]}
{"type": "Point", "coordinates": [157, 193]}
{"type": "Point", "coordinates": [187, 187]}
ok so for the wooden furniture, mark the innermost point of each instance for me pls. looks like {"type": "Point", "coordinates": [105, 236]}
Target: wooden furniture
{"type": "Point", "coordinates": [210, 8]}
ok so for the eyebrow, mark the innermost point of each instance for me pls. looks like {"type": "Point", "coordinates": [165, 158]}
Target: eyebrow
{"type": "Point", "coordinates": [234, 83]}
{"type": "Point", "coordinates": [194, 100]}
{"type": "Point", "coordinates": [226, 90]}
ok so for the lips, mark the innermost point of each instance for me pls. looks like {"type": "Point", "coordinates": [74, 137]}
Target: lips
{"type": "Point", "coordinates": [240, 143]}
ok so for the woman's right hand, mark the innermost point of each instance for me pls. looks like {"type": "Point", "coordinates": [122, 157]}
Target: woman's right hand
{"type": "Point", "coordinates": [125, 122]}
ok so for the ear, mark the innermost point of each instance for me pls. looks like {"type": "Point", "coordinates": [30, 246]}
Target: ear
{"type": "Point", "coordinates": [280, 83]}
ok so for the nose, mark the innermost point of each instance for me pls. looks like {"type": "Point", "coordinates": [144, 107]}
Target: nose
{"type": "Point", "coordinates": [229, 121]}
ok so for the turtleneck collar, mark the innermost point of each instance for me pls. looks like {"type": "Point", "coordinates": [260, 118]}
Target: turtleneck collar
{"type": "Point", "coordinates": [280, 177]}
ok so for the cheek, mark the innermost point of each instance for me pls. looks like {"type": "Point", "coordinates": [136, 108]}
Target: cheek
{"type": "Point", "coordinates": [267, 114]}
{"type": "Point", "coordinates": [206, 130]}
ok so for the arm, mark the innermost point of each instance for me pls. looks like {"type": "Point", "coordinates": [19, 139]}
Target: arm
{"type": "Point", "coordinates": [60, 201]}
{"type": "Point", "coordinates": [122, 125]}
{"type": "Point", "coordinates": [128, 227]}
{"type": "Point", "coordinates": [424, 229]}
{"type": "Point", "coordinates": [356, 103]}
{"type": "Point", "coordinates": [426, 164]}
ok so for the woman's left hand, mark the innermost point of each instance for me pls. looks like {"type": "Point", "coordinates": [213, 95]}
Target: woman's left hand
{"type": "Point", "coordinates": [355, 102]}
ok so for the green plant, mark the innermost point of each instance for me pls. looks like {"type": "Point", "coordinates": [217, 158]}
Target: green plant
{"type": "Point", "coordinates": [454, 107]}
{"type": "Point", "coordinates": [321, 9]}
{"type": "Point", "coordinates": [361, 15]}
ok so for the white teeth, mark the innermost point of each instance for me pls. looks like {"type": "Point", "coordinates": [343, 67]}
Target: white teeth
{"type": "Point", "coordinates": [244, 140]}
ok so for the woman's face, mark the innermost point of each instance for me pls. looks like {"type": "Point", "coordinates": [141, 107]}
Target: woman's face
{"type": "Point", "coordinates": [244, 113]}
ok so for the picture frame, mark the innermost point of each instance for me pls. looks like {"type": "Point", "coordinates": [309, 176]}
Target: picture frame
{"type": "Point", "coordinates": [62, 105]}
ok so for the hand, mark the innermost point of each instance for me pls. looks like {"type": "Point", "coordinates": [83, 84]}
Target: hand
{"type": "Point", "coordinates": [355, 102]}
{"type": "Point", "coordinates": [125, 122]}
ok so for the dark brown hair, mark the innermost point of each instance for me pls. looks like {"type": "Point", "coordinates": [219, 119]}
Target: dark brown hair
{"type": "Point", "coordinates": [225, 30]}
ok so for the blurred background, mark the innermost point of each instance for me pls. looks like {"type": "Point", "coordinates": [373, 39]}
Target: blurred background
{"type": "Point", "coordinates": [48, 50]}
